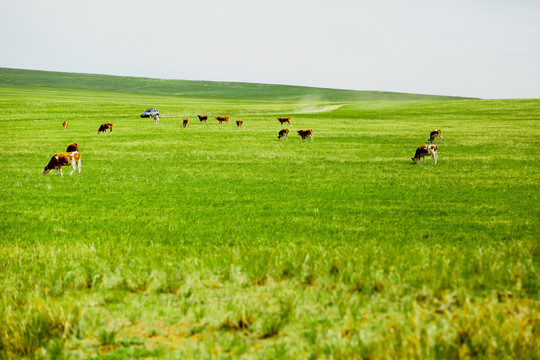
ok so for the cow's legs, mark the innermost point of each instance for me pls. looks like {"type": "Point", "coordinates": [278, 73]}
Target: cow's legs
{"type": "Point", "coordinates": [73, 167]}
{"type": "Point", "coordinates": [61, 174]}
{"type": "Point", "coordinates": [433, 158]}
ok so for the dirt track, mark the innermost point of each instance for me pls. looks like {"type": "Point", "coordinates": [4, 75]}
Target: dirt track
{"type": "Point", "coordinates": [315, 110]}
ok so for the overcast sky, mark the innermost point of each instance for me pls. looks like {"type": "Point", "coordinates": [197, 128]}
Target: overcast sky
{"type": "Point", "coordinates": [479, 48]}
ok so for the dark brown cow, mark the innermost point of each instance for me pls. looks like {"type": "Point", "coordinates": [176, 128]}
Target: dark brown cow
{"type": "Point", "coordinates": [435, 135]}
{"type": "Point", "coordinates": [239, 123]}
{"type": "Point", "coordinates": [202, 118]}
{"type": "Point", "coordinates": [283, 133]}
{"type": "Point", "coordinates": [284, 120]}
{"type": "Point", "coordinates": [426, 150]}
{"type": "Point", "coordinates": [72, 147]}
{"type": "Point", "coordinates": [64, 159]}
{"type": "Point", "coordinates": [222, 119]}
{"type": "Point", "coordinates": [306, 133]}
{"type": "Point", "coordinates": [65, 124]}
{"type": "Point", "coordinates": [185, 122]}
{"type": "Point", "coordinates": [103, 128]}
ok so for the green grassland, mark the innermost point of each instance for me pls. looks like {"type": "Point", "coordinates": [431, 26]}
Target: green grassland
{"type": "Point", "coordinates": [214, 241]}
{"type": "Point", "coordinates": [207, 89]}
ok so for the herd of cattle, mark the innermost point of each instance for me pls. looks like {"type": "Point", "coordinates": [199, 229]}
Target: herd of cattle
{"type": "Point", "coordinates": [428, 150]}
{"type": "Point", "coordinates": [307, 133]}
{"type": "Point", "coordinates": [72, 155]}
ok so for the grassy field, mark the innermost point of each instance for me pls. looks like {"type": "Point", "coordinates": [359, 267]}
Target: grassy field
{"type": "Point", "coordinates": [212, 89]}
{"type": "Point", "coordinates": [221, 242]}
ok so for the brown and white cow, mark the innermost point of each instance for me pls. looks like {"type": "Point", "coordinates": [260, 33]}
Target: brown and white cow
{"type": "Point", "coordinates": [64, 159]}
{"type": "Point", "coordinates": [222, 119]}
{"type": "Point", "coordinates": [239, 123]}
{"type": "Point", "coordinates": [156, 120]}
{"type": "Point", "coordinates": [284, 120]}
{"type": "Point", "coordinates": [103, 128]}
{"type": "Point", "coordinates": [185, 122]}
{"type": "Point", "coordinates": [306, 133]}
{"type": "Point", "coordinates": [283, 133]}
{"type": "Point", "coordinates": [202, 118]}
{"type": "Point", "coordinates": [72, 147]}
{"type": "Point", "coordinates": [65, 124]}
{"type": "Point", "coordinates": [426, 150]}
{"type": "Point", "coordinates": [435, 135]}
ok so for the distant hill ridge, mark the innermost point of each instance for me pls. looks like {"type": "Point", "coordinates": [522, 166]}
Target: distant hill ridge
{"type": "Point", "coordinates": [212, 89]}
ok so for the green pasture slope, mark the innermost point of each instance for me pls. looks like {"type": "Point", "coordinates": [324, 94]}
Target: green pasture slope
{"type": "Point", "coordinates": [206, 89]}
{"type": "Point", "coordinates": [221, 242]}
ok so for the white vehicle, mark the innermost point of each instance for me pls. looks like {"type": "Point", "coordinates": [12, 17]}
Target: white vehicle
{"type": "Point", "coordinates": [150, 113]}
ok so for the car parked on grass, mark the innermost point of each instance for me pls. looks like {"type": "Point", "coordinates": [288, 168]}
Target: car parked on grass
{"type": "Point", "coordinates": [150, 113]}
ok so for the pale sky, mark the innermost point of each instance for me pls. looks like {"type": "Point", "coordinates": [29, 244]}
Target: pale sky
{"type": "Point", "coordinates": [478, 48]}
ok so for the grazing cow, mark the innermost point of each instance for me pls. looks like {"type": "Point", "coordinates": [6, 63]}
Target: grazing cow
{"type": "Point", "coordinates": [72, 147]}
{"type": "Point", "coordinates": [239, 123]}
{"type": "Point", "coordinates": [63, 159]}
{"type": "Point", "coordinates": [202, 118]}
{"type": "Point", "coordinates": [283, 133]}
{"type": "Point", "coordinates": [435, 135]}
{"type": "Point", "coordinates": [156, 120]}
{"type": "Point", "coordinates": [103, 128]}
{"type": "Point", "coordinates": [65, 124]}
{"type": "Point", "coordinates": [222, 119]}
{"type": "Point", "coordinates": [284, 120]}
{"type": "Point", "coordinates": [185, 122]}
{"type": "Point", "coordinates": [306, 133]}
{"type": "Point", "coordinates": [426, 150]}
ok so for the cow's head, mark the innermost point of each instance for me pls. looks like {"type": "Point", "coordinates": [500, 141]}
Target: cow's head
{"type": "Point", "coordinates": [46, 169]}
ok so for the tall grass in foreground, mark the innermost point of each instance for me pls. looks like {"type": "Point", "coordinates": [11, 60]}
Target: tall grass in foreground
{"type": "Point", "coordinates": [217, 242]}
{"type": "Point", "coordinates": [368, 300]}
